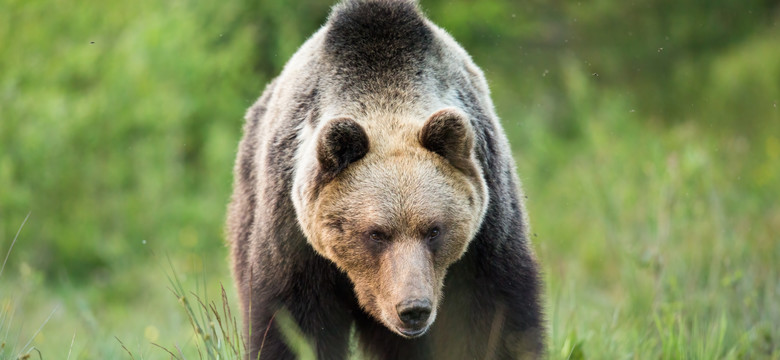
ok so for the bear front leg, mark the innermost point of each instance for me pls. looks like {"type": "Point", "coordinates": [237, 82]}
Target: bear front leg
{"type": "Point", "coordinates": [316, 297]}
{"type": "Point", "coordinates": [490, 310]}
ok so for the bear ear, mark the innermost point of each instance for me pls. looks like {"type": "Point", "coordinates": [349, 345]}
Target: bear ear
{"type": "Point", "coordinates": [448, 133]}
{"type": "Point", "coordinates": [341, 142]}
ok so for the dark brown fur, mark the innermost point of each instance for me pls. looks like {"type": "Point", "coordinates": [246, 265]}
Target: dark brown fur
{"type": "Point", "coordinates": [382, 124]}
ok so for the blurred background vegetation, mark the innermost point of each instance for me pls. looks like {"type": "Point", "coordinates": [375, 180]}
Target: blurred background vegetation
{"type": "Point", "coordinates": [646, 132]}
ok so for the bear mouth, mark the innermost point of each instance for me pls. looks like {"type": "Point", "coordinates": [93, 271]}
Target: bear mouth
{"type": "Point", "coordinates": [411, 333]}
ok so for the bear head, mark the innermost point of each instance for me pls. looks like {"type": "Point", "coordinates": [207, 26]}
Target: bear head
{"type": "Point", "coordinates": [393, 204]}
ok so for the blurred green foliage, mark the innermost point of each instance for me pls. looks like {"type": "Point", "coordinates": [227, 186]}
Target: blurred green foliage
{"type": "Point", "coordinates": [647, 134]}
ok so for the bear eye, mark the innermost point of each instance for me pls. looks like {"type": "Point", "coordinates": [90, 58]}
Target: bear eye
{"type": "Point", "coordinates": [433, 233]}
{"type": "Point", "coordinates": [376, 236]}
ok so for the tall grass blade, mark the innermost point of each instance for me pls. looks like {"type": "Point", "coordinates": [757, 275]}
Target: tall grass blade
{"type": "Point", "coordinates": [14, 242]}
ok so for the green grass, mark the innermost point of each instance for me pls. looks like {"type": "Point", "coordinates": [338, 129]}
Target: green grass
{"type": "Point", "coordinates": [656, 242]}
{"type": "Point", "coordinates": [657, 228]}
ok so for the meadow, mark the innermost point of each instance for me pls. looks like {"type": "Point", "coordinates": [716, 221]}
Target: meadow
{"type": "Point", "coordinates": [646, 135]}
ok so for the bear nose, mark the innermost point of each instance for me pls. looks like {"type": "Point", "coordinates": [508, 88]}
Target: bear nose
{"type": "Point", "coordinates": [414, 313]}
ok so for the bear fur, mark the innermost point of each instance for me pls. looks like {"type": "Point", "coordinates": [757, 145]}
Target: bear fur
{"type": "Point", "coordinates": [375, 192]}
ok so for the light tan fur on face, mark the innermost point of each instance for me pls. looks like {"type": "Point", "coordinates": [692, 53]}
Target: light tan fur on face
{"type": "Point", "coordinates": [402, 190]}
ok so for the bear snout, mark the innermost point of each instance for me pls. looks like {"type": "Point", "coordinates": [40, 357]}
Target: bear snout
{"type": "Point", "coordinates": [414, 314]}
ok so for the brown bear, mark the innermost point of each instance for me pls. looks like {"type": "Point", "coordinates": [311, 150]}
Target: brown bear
{"type": "Point", "coordinates": [375, 194]}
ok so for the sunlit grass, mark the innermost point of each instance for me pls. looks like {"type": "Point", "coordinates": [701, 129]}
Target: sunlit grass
{"type": "Point", "coordinates": [217, 329]}
{"type": "Point", "coordinates": [12, 345]}
{"type": "Point", "coordinates": [650, 237]}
